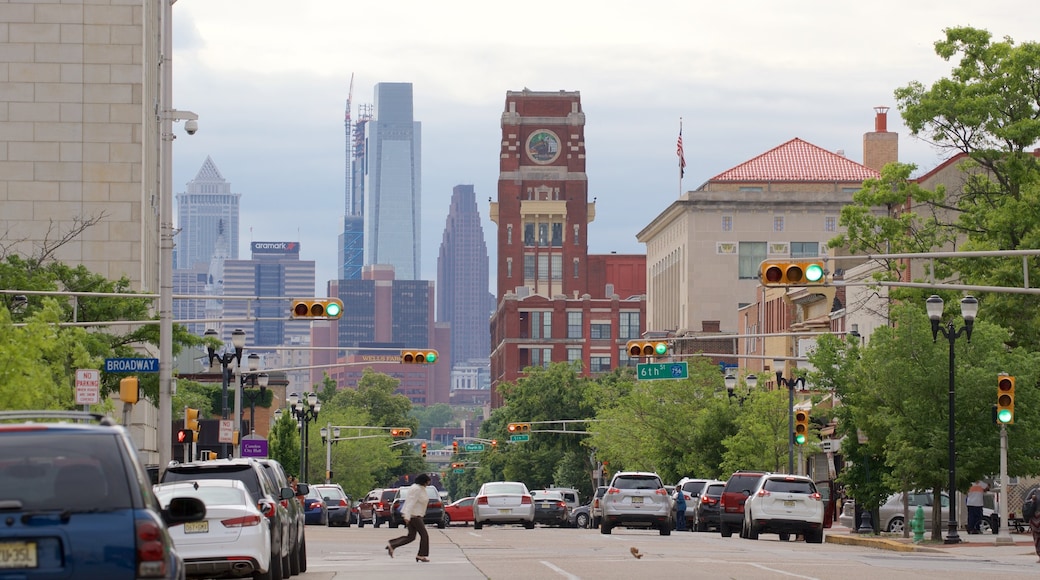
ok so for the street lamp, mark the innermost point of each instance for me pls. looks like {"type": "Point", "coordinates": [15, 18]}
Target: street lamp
{"type": "Point", "coordinates": [305, 409]}
{"type": "Point", "coordinates": [969, 308]}
{"type": "Point", "coordinates": [328, 442]}
{"type": "Point", "coordinates": [253, 379]}
{"type": "Point", "coordinates": [731, 386]}
{"type": "Point", "coordinates": [238, 341]}
{"type": "Point", "coordinates": [778, 366]}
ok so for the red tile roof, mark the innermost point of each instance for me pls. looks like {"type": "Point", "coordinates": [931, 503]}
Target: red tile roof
{"type": "Point", "coordinates": [797, 160]}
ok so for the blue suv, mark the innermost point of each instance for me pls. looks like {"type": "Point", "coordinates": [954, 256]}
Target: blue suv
{"type": "Point", "coordinates": [78, 503]}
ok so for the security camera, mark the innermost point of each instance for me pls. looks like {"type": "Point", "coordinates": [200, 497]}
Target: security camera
{"type": "Point", "coordinates": [191, 126]}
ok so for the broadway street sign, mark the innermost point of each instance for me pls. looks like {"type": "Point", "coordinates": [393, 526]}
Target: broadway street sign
{"type": "Point", "coordinates": [131, 365]}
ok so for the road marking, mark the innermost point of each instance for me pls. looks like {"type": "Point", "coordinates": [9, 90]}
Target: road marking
{"type": "Point", "coordinates": [560, 571]}
{"type": "Point", "coordinates": [784, 572]}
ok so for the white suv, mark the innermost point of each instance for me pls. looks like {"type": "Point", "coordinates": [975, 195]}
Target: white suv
{"type": "Point", "coordinates": [784, 504]}
{"type": "Point", "coordinates": [637, 499]}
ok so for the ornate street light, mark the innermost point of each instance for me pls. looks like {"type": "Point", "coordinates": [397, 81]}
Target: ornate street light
{"type": "Point", "coordinates": [226, 359]}
{"type": "Point", "coordinates": [305, 409]}
{"type": "Point", "coordinates": [778, 366]}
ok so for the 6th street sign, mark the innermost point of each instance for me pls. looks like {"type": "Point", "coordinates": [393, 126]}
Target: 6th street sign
{"type": "Point", "coordinates": [654, 371]}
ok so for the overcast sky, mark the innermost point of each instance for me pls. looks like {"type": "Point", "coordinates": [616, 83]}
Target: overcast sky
{"type": "Point", "coordinates": [270, 79]}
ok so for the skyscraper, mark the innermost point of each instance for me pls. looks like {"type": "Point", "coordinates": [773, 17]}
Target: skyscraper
{"type": "Point", "coordinates": [206, 205]}
{"type": "Point", "coordinates": [352, 240]}
{"type": "Point", "coordinates": [463, 299]}
{"type": "Point", "coordinates": [392, 182]}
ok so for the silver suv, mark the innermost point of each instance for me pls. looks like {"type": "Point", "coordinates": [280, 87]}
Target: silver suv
{"type": "Point", "coordinates": [637, 499]}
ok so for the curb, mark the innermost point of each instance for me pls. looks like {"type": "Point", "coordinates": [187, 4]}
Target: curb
{"type": "Point", "coordinates": [878, 543]}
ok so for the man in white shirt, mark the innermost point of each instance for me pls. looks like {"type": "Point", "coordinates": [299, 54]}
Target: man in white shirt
{"type": "Point", "coordinates": [412, 512]}
{"type": "Point", "coordinates": [975, 499]}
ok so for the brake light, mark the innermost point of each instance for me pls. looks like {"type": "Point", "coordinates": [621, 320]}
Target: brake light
{"type": "Point", "coordinates": [762, 493]}
{"type": "Point", "coordinates": [151, 549]}
{"type": "Point", "coordinates": [662, 491]}
{"type": "Point", "coordinates": [241, 522]}
{"type": "Point", "coordinates": [482, 500]}
{"type": "Point", "coordinates": [708, 500]}
{"type": "Point", "coordinates": [343, 503]}
{"type": "Point", "coordinates": [613, 490]}
{"type": "Point", "coordinates": [561, 504]}
{"type": "Point", "coordinates": [816, 496]}
{"type": "Point", "coordinates": [525, 500]}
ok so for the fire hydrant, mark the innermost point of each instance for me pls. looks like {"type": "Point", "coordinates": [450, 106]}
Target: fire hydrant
{"type": "Point", "coordinates": [917, 525]}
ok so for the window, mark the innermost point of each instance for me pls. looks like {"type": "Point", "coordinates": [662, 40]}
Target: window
{"type": "Point", "coordinates": [557, 234]}
{"type": "Point", "coordinates": [599, 364]}
{"type": "Point", "coordinates": [557, 267]}
{"type": "Point", "coordinates": [750, 257]}
{"type": "Point", "coordinates": [529, 266]}
{"type": "Point", "coordinates": [805, 249]}
{"type": "Point", "coordinates": [727, 223]}
{"type": "Point", "coordinates": [574, 324]}
{"type": "Point", "coordinates": [573, 355]}
{"type": "Point", "coordinates": [541, 325]}
{"type": "Point", "coordinates": [509, 234]}
{"type": "Point", "coordinates": [778, 223]}
{"type": "Point", "coordinates": [576, 269]}
{"type": "Point", "coordinates": [576, 234]}
{"type": "Point", "coordinates": [830, 223]}
{"type": "Point", "coordinates": [628, 325]}
{"type": "Point", "coordinates": [624, 360]}
{"type": "Point", "coordinates": [543, 267]}
{"type": "Point", "coordinates": [509, 267]}
{"type": "Point", "coordinates": [600, 330]}
{"type": "Point", "coordinates": [528, 234]}
{"type": "Point", "coordinates": [543, 234]}
{"type": "Point", "coordinates": [541, 357]}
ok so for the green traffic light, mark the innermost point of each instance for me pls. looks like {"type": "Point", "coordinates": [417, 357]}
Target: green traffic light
{"type": "Point", "coordinates": [813, 272]}
{"type": "Point", "coordinates": [799, 439]}
{"type": "Point", "coordinates": [1004, 416]}
{"type": "Point", "coordinates": [332, 309]}
{"type": "Point", "coordinates": [431, 357]}
{"type": "Point", "coordinates": [661, 349]}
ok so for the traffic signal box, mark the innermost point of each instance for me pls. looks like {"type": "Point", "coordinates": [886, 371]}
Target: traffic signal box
{"type": "Point", "coordinates": [455, 447]}
{"type": "Point", "coordinates": [418, 357]}
{"type": "Point", "coordinates": [129, 389]}
{"type": "Point", "coordinates": [317, 308]}
{"type": "Point", "coordinates": [458, 465]}
{"type": "Point", "coordinates": [642, 348]}
{"type": "Point", "coordinates": [424, 450]}
{"type": "Point", "coordinates": [191, 422]}
{"type": "Point", "coordinates": [801, 427]}
{"type": "Point", "coordinates": [400, 432]}
{"type": "Point", "coordinates": [1005, 399]}
{"type": "Point", "coordinates": [792, 272]}
{"type": "Point", "coordinates": [185, 436]}
{"type": "Point", "coordinates": [519, 428]}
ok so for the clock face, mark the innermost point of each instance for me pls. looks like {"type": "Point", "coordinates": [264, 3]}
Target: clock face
{"type": "Point", "coordinates": [543, 146]}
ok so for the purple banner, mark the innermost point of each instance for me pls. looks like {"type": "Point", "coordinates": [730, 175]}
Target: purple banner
{"type": "Point", "coordinates": [254, 448]}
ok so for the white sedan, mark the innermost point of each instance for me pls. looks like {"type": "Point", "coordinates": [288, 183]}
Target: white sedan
{"type": "Point", "coordinates": [233, 540]}
{"type": "Point", "coordinates": [503, 502]}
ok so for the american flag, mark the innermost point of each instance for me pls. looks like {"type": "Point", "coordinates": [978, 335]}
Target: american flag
{"type": "Point", "coordinates": [679, 152]}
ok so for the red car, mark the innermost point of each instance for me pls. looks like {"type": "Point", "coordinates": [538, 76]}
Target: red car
{"type": "Point", "coordinates": [375, 508]}
{"type": "Point", "coordinates": [459, 511]}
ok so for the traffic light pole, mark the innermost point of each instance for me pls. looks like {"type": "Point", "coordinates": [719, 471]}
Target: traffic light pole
{"type": "Point", "coordinates": [1004, 534]}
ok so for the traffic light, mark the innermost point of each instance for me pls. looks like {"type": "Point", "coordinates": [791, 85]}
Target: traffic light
{"type": "Point", "coordinates": [191, 419]}
{"type": "Point", "coordinates": [418, 357]}
{"type": "Point", "coordinates": [1006, 400]}
{"type": "Point", "coordinates": [454, 446]}
{"type": "Point", "coordinates": [424, 450]}
{"type": "Point", "coordinates": [129, 389]}
{"type": "Point", "coordinates": [185, 436]}
{"type": "Point", "coordinates": [317, 308]}
{"type": "Point", "coordinates": [792, 272]}
{"type": "Point", "coordinates": [801, 427]}
{"type": "Point", "coordinates": [640, 348]}
{"type": "Point", "coordinates": [208, 455]}
{"type": "Point", "coordinates": [519, 427]}
{"type": "Point", "coordinates": [494, 444]}
{"type": "Point", "coordinates": [400, 432]}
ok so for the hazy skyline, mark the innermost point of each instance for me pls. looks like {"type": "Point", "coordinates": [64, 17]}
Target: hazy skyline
{"type": "Point", "coordinates": [270, 81]}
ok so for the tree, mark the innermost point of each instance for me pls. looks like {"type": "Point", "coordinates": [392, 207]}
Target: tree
{"type": "Point", "coordinates": [761, 440]}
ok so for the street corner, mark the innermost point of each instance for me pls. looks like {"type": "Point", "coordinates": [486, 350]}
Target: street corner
{"type": "Point", "coordinates": [872, 541]}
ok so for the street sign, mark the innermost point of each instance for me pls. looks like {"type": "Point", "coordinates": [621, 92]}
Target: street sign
{"type": "Point", "coordinates": [654, 371]}
{"type": "Point", "coordinates": [226, 433]}
{"type": "Point", "coordinates": [254, 447]}
{"type": "Point", "coordinates": [88, 386]}
{"type": "Point", "coordinates": [459, 470]}
{"type": "Point", "coordinates": [474, 447]}
{"type": "Point", "coordinates": [524, 437]}
{"type": "Point", "coordinates": [131, 365]}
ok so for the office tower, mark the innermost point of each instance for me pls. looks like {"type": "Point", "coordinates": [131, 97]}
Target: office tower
{"type": "Point", "coordinates": [462, 279]}
{"type": "Point", "coordinates": [392, 182]}
{"type": "Point", "coordinates": [275, 270]}
{"type": "Point", "coordinates": [206, 203]}
{"type": "Point", "coordinates": [352, 240]}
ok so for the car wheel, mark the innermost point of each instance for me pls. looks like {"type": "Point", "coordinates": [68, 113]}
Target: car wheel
{"type": "Point", "coordinates": [605, 527]}
{"type": "Point", "coordinates": [665, 530]}
{"type": "Point", "coordinates": [752, 531]}
{"type": "Point", "coordinates": [725, 531]}
{"type": "Point", "coordinates": [596, 522]}
{"type": "Point", "coordinates": [477, 525]}
{"type": "Point", "coordinates": [274, 567]}
{"type": "Point", "coordinates": [303, 555]}
{"type": "Point", "coordinates": [529, 525]}
{"type": "Point", "coordinates": [701, 525]}
{"type": "Point", "coordinates": [814, 537]}
{"type": "Point", "coordinates": [785, 537]}
{"type": "Point", "coordinates": [985, 526]}
{"type": "Point", "coordinates": [896, 525]}
{"type": "Point", "coordinates": [447, 519]}
{"type": "Point", "coordinates": [294, 560]}
{"type": "Point", "coordinates": [360, 523]}
{"type": "Point", "coordinates": [581, 520]}
{"type": "Point", "coordinates": [392, 525]}
{"type": "Point", "coordinates": [286, 569]}
{"type": "Point", "coordinates": [442, 523]}
{"type": "Point", "coordinates": [376, 522]}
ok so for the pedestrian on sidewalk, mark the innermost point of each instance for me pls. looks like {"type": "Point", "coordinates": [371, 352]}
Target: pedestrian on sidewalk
{"type": "Point", "coordinates": [1032, 514]}
{"type": "Point", "coordinates": [412, 512]}
{"type": "Point", "coordinates": [975, 501]}
{"type": "Point", "coordinates": [680, 509]}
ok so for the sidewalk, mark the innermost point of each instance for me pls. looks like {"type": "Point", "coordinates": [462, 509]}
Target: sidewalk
{"type": "Point", "coordinates": [896, 542]}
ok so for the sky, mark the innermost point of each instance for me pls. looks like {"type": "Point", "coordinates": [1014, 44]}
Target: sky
{"type": "Point", "coordinates": [270, 80]}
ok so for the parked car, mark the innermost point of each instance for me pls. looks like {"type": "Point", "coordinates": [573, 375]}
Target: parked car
{"type": "Point", "coordinates": [892, 513]}
{"type": "Point", "coordinates": [375, 508]}
{"type": "Point", "coordinates": [784, 504]}
{"type": "Point", "coordinates": [549, 508]}
{"type": "Point", "coordinates": [731, 503]}
{"type": "Point", "coordinates": [261, 488]}
{"type": "Point", "coordinates": [596, 506]}
{"type": "Point", "coordinates": [570, 496]}
{"type": "Point", "coordinates": [434, 508]}
{"type": "Point", "coordinates": [581, 516]}
{"type": "Point", "coordinates": [234, 539]}
{"type": "Point", "coordinates": [637, 499]}
{"type": "Point", "coordinates": [503, 502]}
{"type": "Point", "coordinates": [337, 503]}
{"type": "Point", "coordinates": [459, 511]}
{"type": "Point", "coordinates": [297, 522]}
{"type": "Point", "coordinates": [78, 503]}
{"type": "Point", "coordinates": [706, 514]}
{"type": "Point", "coordinates": [315, 511]}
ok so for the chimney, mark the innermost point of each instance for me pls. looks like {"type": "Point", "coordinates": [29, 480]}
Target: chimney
{"type": "Point", "coordinates": [881, 120]}
{"type": "Point", "coordinates": [880, 146]}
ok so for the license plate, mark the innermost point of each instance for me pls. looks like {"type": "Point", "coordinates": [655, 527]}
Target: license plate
{"type": "Point", "coordinates": [196, 527]}
{"type": "Point", "coordinates": [637, 499]}
{"type": "Point", "coordinates": [788, 503]}
{"type": "Point", "coordinates": [545, 505]}
{"type": "Point", "coordinates": [505, 511]}
{"type": "Point", "coordinates": [18, 555]}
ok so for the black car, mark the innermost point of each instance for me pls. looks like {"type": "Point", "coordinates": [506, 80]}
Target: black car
{"type": "Point", "coordinates": [297, 516]}
{"type": "Point", "coordinates": [78, 503]}
{"type": "Point", "coordinates": [550, 509]}
{"type": "Point", "coordinates": [706, 515]}
{"type": "Point", "coordinates": [434, 509]}
{"type": "Point", "coordinates": [261, 486]}
{"type": "Point", "coordinates": [731, 504]}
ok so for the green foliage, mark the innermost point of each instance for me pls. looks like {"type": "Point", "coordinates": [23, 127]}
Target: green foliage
{"type": "Point", "coordinates": [283, 443]}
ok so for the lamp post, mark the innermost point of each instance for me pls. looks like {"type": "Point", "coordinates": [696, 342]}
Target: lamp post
{"type": "Point", "coordinates": [305, 409]}
{"type": "Point", "coordinates": [969, 309]}
{"type": "Point", "coordinates": [329, 436]}
{"type": "Point", "coordinates": [238, 341]}
{"type": "Point", "coordinates": [778, 366]}
{"type": "Point", "coordinates": [731, 385]}
{"type": "Point", "coordinates": [253, 379]}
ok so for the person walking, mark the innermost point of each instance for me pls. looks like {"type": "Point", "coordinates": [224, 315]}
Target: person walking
{"type": "Point", "coordinates": [1032, 515]}
{"type": "Point", "coordinates": [975, 499]}
{"type": "Point", "coordinates": [680, 509]}
{"type": "Point", "coordinates": [412, 512]}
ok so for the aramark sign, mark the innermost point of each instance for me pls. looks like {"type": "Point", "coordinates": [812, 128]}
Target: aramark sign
{"type": "Point", "coordinates": [275, 247]}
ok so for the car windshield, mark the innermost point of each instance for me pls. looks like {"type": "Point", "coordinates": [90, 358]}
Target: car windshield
{"type": "Point", "coordinates": [210, 495]}
{"type": "Point", "coordinates": [504, 488]}
{"type": "Point", "coordinates": [330, 493]}
{"type": "Point", "coordinates": [788, 486]}
{"type": "Point", "coordinates": [55, 469]}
